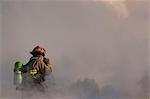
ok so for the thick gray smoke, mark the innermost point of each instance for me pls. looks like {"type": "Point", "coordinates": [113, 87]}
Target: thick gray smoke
{"type": "Point", "coordinates": [95, 53]}
{"type": "Point", "coordinates": [0, 38]}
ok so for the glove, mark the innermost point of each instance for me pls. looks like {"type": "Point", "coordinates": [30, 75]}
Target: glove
{"type": "Point", "coordinates": [46, 61]}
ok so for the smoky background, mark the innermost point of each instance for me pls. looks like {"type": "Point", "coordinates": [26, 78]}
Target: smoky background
{"type": "Point", "coordinates": [96, 53]}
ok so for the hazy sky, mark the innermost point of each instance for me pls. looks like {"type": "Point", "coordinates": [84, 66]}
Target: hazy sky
{"type": "Point", "coordinates": [104, 41]}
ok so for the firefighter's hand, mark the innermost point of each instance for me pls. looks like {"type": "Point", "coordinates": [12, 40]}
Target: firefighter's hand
{"type": "Point", "coordinates": [46, 61]}
{"type": "Point", "coordinates": [48, 69]}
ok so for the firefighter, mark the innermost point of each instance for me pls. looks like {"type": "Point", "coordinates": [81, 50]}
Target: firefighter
{"type": "Point", "coordinates": [38, 66]}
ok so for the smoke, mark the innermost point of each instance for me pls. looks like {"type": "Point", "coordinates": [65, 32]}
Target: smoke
{"type": "Point", "coordinates": [119, 6]}
{"type": "Point", "coordinates": [80, 89]}
{"type": "Point", "coordinates": [90, 58]}
{"type": "Point", "coordinates": [0, 39]}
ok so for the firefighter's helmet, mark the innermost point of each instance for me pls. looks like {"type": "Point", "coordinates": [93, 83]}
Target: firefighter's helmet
{"type": "Point", "coordinates": [38, 51]}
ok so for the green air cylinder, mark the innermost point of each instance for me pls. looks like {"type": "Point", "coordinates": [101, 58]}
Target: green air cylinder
{"type": "Point", "coordinates": [17, 74]}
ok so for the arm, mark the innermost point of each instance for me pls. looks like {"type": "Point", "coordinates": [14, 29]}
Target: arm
{"type": "Point", "coordinates": [24, 68]}
{"type": "Point", "coordinates": [48, 64]}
